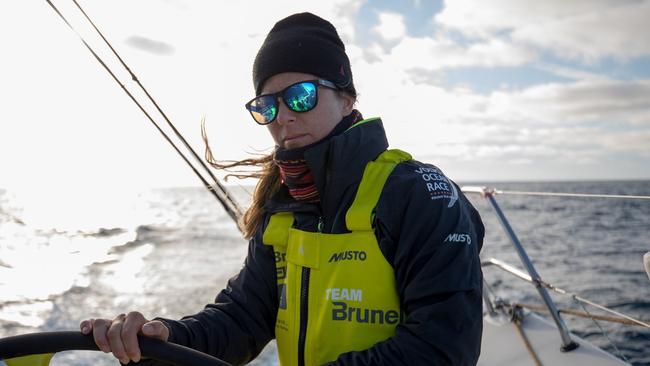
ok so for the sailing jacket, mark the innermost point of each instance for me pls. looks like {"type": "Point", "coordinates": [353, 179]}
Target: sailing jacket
{"type": "Point", "coordinates": [427, 231]}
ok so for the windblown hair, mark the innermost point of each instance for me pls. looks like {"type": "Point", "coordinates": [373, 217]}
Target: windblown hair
{"type": "Point", "coordinates": [267, 172]}
{"type": "Point", "coordinates": [268, 185]}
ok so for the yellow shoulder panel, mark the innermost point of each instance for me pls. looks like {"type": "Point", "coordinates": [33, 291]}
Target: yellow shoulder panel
{"type": "Point", "coordinates": [359, 216]}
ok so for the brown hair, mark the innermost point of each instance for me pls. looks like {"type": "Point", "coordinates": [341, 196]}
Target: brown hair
{"type": "Point", "coordinates": [268, 185]}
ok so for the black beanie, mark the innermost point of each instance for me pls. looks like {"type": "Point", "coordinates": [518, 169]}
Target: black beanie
{"type": "Point", "coordinates": [305, 43]}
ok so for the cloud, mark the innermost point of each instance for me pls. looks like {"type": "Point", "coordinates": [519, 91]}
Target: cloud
{"type": "Point", "coordinates": [588, 30]}
{"type": "Point", "coordinates": [150, 45]}
{"type": "Point", "coordinates": [569, 72]}
{"type": "Point", "coordinates": [391, 27]}
{"type": "Point", "coordinates": [582, 121]}
{"type": "Point", "coordinates": [577, 122]}
{"type": "Point", "coordinates": [627, 141]}
{"type": "Point", "coordinates": [432, 54]}
{"type": "Point", "coordinates": [607, 101]}
{"type": "Point", "coordinates": [572, 123]}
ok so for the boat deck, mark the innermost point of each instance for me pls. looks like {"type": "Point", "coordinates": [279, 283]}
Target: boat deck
{"type": "Point", "coordinates": [502, 345]}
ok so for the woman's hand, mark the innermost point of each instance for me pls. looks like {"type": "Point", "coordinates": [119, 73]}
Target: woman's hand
{"type": "Point", "coordinates": [120, 334]}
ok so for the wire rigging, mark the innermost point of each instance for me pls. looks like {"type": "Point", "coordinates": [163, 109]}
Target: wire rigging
{"type": "Point", "coordinates": [223, 189]}
{"type": "Point", "coordinates": [218, 190]}
{"type": "Point", "coordinates": [557, 194]}
{"type": "Point", "coordinates": [486, 191]}
{"type": "Point", "coordinates": [618, 351]}
{"type": "Point", "coordinates": [524, 276]}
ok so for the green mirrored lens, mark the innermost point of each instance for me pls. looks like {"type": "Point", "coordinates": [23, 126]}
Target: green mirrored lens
{"type": "Point", "coordinates": [264, 109]}
{"type": "Point", "coordinates": [301, 97]}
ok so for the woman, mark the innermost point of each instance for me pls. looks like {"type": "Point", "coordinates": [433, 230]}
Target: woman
{"type": "Point", "coordinates": [358, 255]}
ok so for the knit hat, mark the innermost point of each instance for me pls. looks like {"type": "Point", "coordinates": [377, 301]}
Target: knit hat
{"type": "Point", "coordinates": [305, 43]}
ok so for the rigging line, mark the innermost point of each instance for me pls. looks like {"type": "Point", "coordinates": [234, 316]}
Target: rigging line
{"type": "Point", "coordinates": [601, 307]}
{"type": "Point", "coordinates": [517, 319]}
{"type": "Point", "coordinates": [171, 125]}
{"type": "Point", "coordinates": [586, 314]}
{"type": "Point", "coordinates": [556, 194]}
{"type": "Point", "coordinates": [607, 318]}
{"type": "Point", "coordinates": [206, 184]}
{"type": "Point", "coordinates": [586, 301]}
{"type": "Point", "coordinates": [603, 332]}
{"type": "Point", "coordinates": [524, 276]}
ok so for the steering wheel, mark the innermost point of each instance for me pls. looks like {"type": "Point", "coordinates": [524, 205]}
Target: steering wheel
{"type": "Point", "coordinates": [52, 342]}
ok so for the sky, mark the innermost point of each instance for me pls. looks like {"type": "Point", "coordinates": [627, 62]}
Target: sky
{"type": "Point", "coordinates": [487, 90]}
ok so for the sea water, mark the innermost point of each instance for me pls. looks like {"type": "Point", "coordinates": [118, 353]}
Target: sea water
{"type": "Point", "coordinates": [167, 252]}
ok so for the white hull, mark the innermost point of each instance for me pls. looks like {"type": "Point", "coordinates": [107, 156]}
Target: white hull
{"type": "Point", "coordinates": [502, 345]}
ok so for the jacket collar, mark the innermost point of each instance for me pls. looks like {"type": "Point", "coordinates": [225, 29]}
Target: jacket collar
{"type": "Point", "coordinates": [337, 165]}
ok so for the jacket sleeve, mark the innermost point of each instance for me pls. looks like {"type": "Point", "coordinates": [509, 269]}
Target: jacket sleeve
{"type": "Point", "coordinates": [432, 236]}
{"type": "Point", "coordinates": [241, 321]}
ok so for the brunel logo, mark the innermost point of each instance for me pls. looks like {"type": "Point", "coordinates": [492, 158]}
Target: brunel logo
{"type": "Point", "coordinates": [348, 255]}
{"type": "Point", "coordinates": [343, 312]}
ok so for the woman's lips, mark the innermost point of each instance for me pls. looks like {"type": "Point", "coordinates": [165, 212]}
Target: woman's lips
{"type": "Point", "coordinates": [292, 138]}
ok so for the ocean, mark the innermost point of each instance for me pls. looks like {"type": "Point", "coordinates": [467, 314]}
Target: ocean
{"type": "Point", "coordinates": [167, 252]}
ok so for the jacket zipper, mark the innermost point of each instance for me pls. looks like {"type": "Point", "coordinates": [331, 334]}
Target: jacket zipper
{"type": "Point", "coordinates": [304, 293]}
{"type": "Point", "coordinates": [304, 305]}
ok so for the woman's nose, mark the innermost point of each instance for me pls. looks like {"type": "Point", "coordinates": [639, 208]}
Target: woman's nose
{"type": "Point", "coordinates": [285, 115]}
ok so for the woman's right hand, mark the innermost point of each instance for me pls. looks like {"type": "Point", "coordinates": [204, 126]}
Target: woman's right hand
{"type": "Point", "coordinates": [119, 335]}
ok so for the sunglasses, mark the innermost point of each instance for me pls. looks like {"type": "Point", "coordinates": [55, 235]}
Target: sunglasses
{"type": "Point", "coordinates": [299, 97]}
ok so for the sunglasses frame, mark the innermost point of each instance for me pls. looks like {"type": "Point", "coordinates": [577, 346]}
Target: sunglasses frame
{"type": "Point", "coordinates": [280, 95]}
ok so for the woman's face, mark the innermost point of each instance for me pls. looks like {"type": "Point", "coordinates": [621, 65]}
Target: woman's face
{"type": "Point", "coordinates": [291, 129]}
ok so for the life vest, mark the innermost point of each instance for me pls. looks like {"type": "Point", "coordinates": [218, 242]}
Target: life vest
{"type": "Point", "coordinates": [336, 292]}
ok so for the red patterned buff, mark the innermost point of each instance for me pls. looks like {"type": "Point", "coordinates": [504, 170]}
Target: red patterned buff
{"type": "Point", "coordinates": [298, 179]}
{"type": "Point", "coordinates": [294, 170]}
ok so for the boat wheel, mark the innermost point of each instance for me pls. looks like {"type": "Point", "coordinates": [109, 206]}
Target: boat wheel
{"type": "Point", "coordinates": [38, 348]}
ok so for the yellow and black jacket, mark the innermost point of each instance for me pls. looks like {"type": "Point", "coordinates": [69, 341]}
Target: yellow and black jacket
{"type": "Point", "coordinates": [386, 273]}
